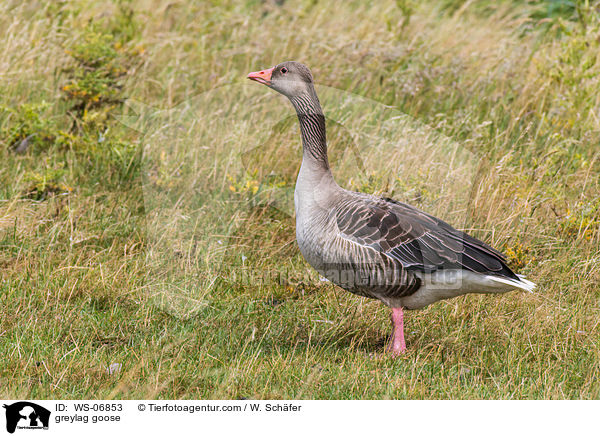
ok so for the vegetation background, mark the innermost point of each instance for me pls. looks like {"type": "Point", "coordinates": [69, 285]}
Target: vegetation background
{"type": "Point", "coordinates": [516, 82]}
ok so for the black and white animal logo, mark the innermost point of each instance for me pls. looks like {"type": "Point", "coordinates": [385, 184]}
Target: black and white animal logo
{"type": "Point", "coordinates": [26, 415]}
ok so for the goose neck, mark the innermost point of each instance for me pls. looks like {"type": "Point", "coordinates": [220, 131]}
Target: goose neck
{"type": "Point", "coordinates": [312, 128]}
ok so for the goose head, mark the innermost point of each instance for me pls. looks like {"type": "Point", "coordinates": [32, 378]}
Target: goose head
{"type": "Point", "coordinates": [289, 78]}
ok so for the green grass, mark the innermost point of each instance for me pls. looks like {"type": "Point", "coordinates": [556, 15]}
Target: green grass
{"type": "Point", "coordinates": [148, 222]}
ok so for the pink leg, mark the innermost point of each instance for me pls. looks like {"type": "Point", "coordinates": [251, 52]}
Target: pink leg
{"type": "Point", "coordinates": [397, 345]}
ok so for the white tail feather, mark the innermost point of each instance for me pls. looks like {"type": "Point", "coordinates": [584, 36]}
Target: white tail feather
{"type": "Point", "coordinates": [522, 283]}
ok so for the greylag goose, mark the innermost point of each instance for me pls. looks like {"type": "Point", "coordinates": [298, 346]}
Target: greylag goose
{"type": "Point", "coordinates": [377, 247]}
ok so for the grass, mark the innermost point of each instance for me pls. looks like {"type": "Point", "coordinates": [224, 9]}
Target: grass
{"type": "Point", "coordinates": [145, 199]}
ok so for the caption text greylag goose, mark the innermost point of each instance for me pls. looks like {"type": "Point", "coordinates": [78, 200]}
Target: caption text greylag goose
{"type": "Point", "coordinates": [377, 247]}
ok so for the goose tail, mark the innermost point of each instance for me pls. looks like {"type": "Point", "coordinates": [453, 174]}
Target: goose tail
{"type": "Point", "coordinates": [522, 283]}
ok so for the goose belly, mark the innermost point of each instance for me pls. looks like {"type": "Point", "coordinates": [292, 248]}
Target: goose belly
{"type": "Point", "coordinates": [338, 270]}
{"type": "Point", "coordinates": [356, 269]}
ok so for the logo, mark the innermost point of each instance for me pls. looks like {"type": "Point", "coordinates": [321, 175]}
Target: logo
{"type": "Point", "coordinates": [26, 415]}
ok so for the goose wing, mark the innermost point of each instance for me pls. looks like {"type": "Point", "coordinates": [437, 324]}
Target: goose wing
{"type": "Point", "coordinates": [417, 240]}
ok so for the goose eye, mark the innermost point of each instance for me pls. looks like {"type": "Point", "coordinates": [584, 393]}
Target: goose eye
{"type": "Point", "coordinates": [284, 70]}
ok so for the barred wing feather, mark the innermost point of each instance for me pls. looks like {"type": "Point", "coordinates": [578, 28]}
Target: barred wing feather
{"type": "Point", "coordinates": [417, 240]}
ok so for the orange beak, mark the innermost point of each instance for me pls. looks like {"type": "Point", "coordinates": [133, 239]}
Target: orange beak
{"type": "Point", "coordinates": [263, 76]}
